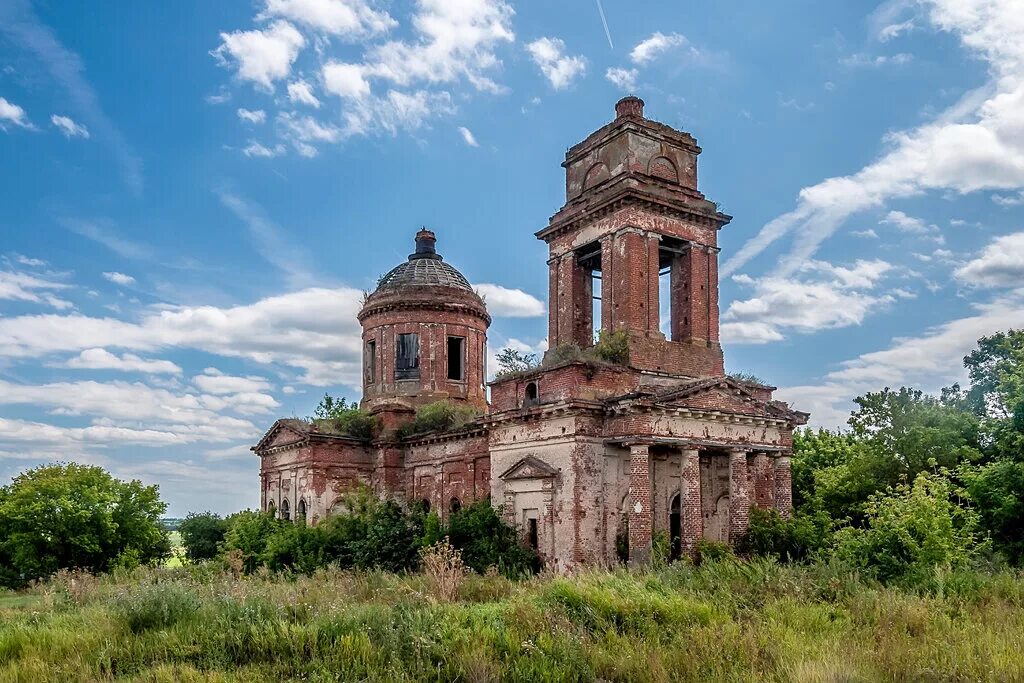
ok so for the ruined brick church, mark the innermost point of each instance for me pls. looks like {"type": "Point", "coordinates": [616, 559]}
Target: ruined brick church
{"type": "Point", "coordinates": [584, 456]}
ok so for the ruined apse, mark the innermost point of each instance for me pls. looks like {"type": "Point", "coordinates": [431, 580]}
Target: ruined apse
{"type": "Point", "coordinates": [590, 454]}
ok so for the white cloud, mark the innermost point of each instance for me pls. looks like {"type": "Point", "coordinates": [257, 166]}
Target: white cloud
{"type": "Point", "coordinates": [1000, 264]}
{"type": "Point", "coordinates": [658, 43]}
{"type": "Point", "coordinates": [314, 330]}
{"type": "Point", "coordinates": [346, 80]}
{"type": "Point", "coordinates": [827, 297]}
{"type": "Point", "coordinates": [213, 381]}
{"type": "Point", "coordinates": [861, 59]}
{"type": "Point", "coordinates": [467, 136]}
{"type": "Point", "coordinates": [101, 359]}
{"type": "Point", "coordinates": [30, 262]}
{"type": "Point", "coordinates": [349, 19]}
{"type": "Point", "coordinates": [69, 127]}
{"type": "Point", "coordinates": [252, 116]}
{"type": "Point", "coordinates": [867, 234]}
{"type": "Point", "coordinates": [119, 278]}
{"type": "Point", "coordinates": [12, 114]}
{"type": "Point", "coordinates": [913, 226]}
{"type": "Point", "coordinates": [454, 40]}
{"type": "Point", "coordinates": [559, 68]}
{"type": "Point", "coordinates": [261, 56]}
{"type": "Point", "coordinates": [624, 79]}
{"type": "Point", "coordinates": [122, 405]}
{"type": "Point", "coordinates": [301, 92]}
{"type": "Point", "coordinates": [976, 144]}
{"type": "Point", "coordinates": [1009, 200]}
{"type": "Point", "coordinates": [930, 361]}
{"type": "Point", "coordinates": [887, 33]}
{"type": "Point", "coordinates": [503, 302]}
{"type": "Point", "coordinates": [18, 286]}
{"type": "Point", "coordinates": [256, 149]}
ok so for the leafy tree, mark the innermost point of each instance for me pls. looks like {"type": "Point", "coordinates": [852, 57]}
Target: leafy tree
{"type": "Point", "coordinates": [511, 361]}
{"type": "Point", "coordinates": [202, 535]}
{"type": "Point", "coordinates": [917, 431]}
{"type": "Point", "coordinates": [440, 416]}
{"type": "Point", "coordinates": [912, 530]}
{"type": "Point", "coordinates": [248, 532]}
{"type": "Point", "coordinates": [996, 370]}
{"type": "Point", "coordinates": [77, 517]}
{"type": "Point", "coordinates": [997, 491]}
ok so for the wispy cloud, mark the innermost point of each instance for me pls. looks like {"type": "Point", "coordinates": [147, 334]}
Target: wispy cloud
{"type": "Point", "coordinates": [292, 260]}
{"type": "Point", "coordinates": [20, 24]}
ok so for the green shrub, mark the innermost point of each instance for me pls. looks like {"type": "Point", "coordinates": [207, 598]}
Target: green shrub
{"type": "Point", "coordinates": [337, 416]}
{"type": "Point", "coordinates": [612, 347]}
{"type": "Point", "coordinates": [441, 416]}
{"type": "Point", "coordinates": [157, 607]}
{"type": "Point", "coordinates": [487, 541]}
{"type": "Point", "coordinates": [788, 540]}
{"type": "Point", "coordinates": [912, 531]}
{"type": "Point", "coordinates": [712, 551]}
{"type": "Point", "coordinates": [294, 547]}
{"type": "Point", "coordinates": [202, 535]}
{"type": "Point", "coordinates": [248, 532]}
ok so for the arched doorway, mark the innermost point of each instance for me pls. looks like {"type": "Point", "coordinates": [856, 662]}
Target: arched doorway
{"type": "Point", "coordinates": [301, 511]}
{"type": "Point", "coordinates": [285, 512]}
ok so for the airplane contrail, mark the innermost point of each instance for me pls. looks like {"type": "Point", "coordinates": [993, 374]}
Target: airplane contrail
{"type": "Point", "coordinates": [605, 22]}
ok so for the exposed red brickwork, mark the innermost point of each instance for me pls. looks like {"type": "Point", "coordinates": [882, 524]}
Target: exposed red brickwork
{"type": "Point", "coordinates": [783, 486]}
{"type": "Point", "coordinates": [639, 505]}
{"type": "Point", "coordinates": [761, 474]}
{"type": "Point", "coordinates": [691, 522]}
{"type": "Point", "coordinates": [572, 450]}
{"type": "Point", "coordinates": [739, 497]}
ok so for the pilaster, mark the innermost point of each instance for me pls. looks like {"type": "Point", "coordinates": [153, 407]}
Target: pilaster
{"type": "Point", "coordinates": [739, 497]}
{"type": "Point", "coordinates": [639, 505]}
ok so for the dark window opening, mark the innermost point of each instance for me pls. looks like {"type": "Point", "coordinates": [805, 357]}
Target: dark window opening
{"type": "Point", "coordinates": [371, 362]}
{"type": "Point", "coordinates": [675, 529]}
{"type": "Point", "coordinates": [454, 506]}
{"type": "Point", "coordinates": [426, 505]}
{"type": "Point", "coordinates": [300, 512]}
{"type": "Point", "coordinates": [531, 533]}
{"type": "Point", "coordinates": [456, 358]}
{"type": "Point", "coordinates": [531, 396]}
{"type": "Point", "coordinates": [588, 259]}
{"type": "Point", "coordinates": [407, 356]}
{"type": "Point", "coordinates": [285, 514]}
{"type": "Point", "coordinates": [271, 508]}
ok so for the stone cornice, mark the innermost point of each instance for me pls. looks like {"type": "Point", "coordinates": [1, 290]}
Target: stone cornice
{"type": "Point", "coordinates": [622, 197]}
{"type": "Point", "coordinates": [371, 308]}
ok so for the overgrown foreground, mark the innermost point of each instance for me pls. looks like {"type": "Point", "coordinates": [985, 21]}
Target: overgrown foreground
{"type": "Point", "coordinates": [723, 620]}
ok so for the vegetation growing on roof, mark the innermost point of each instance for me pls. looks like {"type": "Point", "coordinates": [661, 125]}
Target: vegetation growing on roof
{"type": "Point", "coordinates": [746, 378]}
{"type": "Point", "coordinates": [338, 416]}
{"type": "Point", "coordinates": [442, 416]}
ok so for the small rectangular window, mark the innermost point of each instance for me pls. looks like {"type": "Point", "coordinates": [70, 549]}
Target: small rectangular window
{"type": "Point", "coordinates": [456, 358]}
{"type": "Point", "coordinates": [407, 356]}
{"type": "Point", "coordinates": [370, 362]}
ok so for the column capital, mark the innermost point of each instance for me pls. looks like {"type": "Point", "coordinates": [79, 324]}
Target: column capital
{"type": "Point", "coordinates": [736, 451]}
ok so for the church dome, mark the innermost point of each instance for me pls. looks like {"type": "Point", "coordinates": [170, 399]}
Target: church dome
{"type": "Point", "coordinates": [425, 267]}
{"type": "Point", "coordinates": [424, 281]}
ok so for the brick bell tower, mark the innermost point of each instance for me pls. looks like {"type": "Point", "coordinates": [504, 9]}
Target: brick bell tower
{"type": "Point", "coordinates": [634, 228]}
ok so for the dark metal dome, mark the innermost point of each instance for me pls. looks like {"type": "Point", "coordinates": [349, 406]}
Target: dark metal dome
{"type": "Point", "coordinates": [425, 267]}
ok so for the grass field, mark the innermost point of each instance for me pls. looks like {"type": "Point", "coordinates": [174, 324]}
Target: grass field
{"type": "Point", "coordinates": [724, 621]}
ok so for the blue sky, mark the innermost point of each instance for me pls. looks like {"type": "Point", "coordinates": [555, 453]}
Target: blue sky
{"type": "Point", "coordinates": [195, 194]}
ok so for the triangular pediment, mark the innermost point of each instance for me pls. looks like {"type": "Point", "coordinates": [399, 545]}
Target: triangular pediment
{"type": "Point", "coordinates": [720, 394]}
{"type": "Point", "coordinates": [530, 468]}
{"type": "Point", "coordinates": [282, 433]}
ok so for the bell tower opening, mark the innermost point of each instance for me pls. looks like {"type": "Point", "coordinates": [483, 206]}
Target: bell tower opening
{"type": "Point", "coordinates": [637, 252]}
